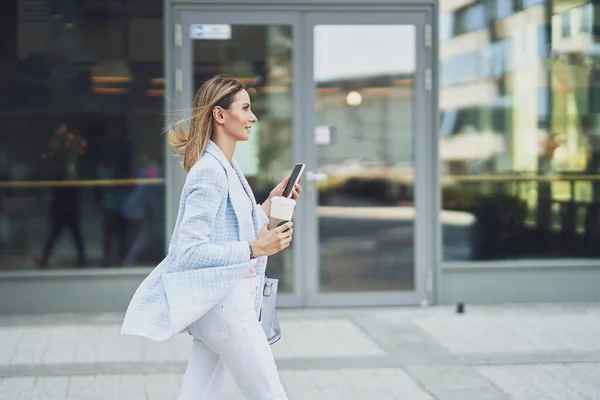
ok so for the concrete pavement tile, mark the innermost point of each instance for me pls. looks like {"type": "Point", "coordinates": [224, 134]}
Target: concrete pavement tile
{"type": "Point", "coordinates": [370, 394]}
{"type": "Point", "coordinates": [283, 348]}
{"type": "Point", "coordinates": [50, 387]}
{"type": "Point", "coordinates": [566, 330]}
{"type": "Point", "coordinates": [300, 379]}
{"type": "Point", "coordinates": [180, 347]}
{"type": "Point", "coordinates": [511, 334]}
{"type": "Point", "coordinates": [553, 388]}
{"type": "Point", "coordinates": [9, 337]}
{"type": "Point", "coordinates": [87, 339]}
{"type": "Point", "coordinates": [511, 383]}
{"type": "Point", "coordinates": [130, 387]}
{"type": "Point", "coordinates": [61, 346]}
{"type": "Point", "coordinates": [329, 380]}
{"type": "Point", "coordinates": [361, 379]}
{"type": "Point", "coordinates": [327, 338]}
{"type": "Point", "coordinates": [471, 394]}
{"type": "Point", "coordinates": [81, 388]}
{"type": "Point", "coordinates": [308, 394]}
{"type": "Point", "coordinates": [116, 347]}
{"type": "Point", "coordinates": [104, 387]}
{"type": "Point", "coordinates": [532, 357]}
{"type": "Point", "coordinates": [162, 386]}
{"type": "Point", "coordinates": [16, 388]}
{"type": "Point", "coordinates": [470, 334]}
{"type": "Point", "coordinates": [449, 377]}
{"type": "Point", "coordinates": [407, 340]}
{"type": "Point", "coordinates": [534, 331]}
{"type": "Point", "coordinates": [176, 349]}
{"type": "Point", "coordinates": [587, 330]}
{"type": "Point", "coordinates": [577, 382]}
{"type": "Point", "coordinates": [590, 372]}
{"type": "Point", "coordinates": [401, 384]}
{"type": "Point", "coordinates": [156, 351]}
{"type": "Point", "coordinates": [117, 387]}
{"type": "Point", "coordinates": [31, 346]}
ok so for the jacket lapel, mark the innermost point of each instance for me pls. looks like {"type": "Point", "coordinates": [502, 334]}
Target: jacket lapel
{"type": "Point", "coordinates": [257, 221]}
{"type": "Point", "coordinates": [236, 194]}
{"type": "Point", "coordinates": [248, 190]}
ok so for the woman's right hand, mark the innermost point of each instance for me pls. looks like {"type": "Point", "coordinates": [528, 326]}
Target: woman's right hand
{"type": "Point", "coordinates": [272, 241]}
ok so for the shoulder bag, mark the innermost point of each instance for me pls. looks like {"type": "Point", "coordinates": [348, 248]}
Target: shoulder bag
{"type": "Point", "coordinates": [268, 316]}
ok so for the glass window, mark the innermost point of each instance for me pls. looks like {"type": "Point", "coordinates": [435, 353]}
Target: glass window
{"type": "Point", "coordinates": [501, 56]}
{"type": "Point", "coordinates": [476, 17]}
{"type": "Point", "coordinates": [492, 9]}
{"type": "Point", "coordinates": [81, 151]}
{"type": "Point", "coordinates": [504, 8]}
{"type": "Point", "coordinates": [586, 13]}
{"type": "Point", "coordinates": [486, 58]}
{"type": "Point", "coordinates": [470, 18]}
{"type": "Point", "coordinates": [543, 42]}
{"type": "Point", "coordinates": [565, 24]}
{"type": "Point", "coordinates": [531, 3]}
{"type": "Point", "coordinates": [462, 69]}
{"type": "Point", "coordinates": [364, 106]}
{"type": "Point", "coordinates": [446, 21]}
{"type": "Point", "coordinates": [521, 169]}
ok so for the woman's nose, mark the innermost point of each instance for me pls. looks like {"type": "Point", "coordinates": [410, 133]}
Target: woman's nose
{"type": "Point", "coordinates": [253, 118]}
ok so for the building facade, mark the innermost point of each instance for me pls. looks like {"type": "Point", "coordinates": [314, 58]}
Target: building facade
{"type": "Point", "coordinates": [451, 146]}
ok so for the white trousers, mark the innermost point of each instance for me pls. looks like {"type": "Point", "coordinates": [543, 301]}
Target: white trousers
{"type": "Point", "coordinates": [229, 340]}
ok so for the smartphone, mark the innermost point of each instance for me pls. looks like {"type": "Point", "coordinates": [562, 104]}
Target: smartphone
{"type": "Point", "coordinates": [294, 178]}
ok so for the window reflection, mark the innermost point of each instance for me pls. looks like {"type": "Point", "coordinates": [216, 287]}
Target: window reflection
{"type": "Point", "coordinates": [518, 136]}
{"type": "Point", "coordinates": [81, 155]}
{"type": "Point", "coordinates": [364, 97]}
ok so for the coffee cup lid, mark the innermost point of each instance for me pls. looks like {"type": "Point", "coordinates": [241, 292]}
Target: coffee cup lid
{"type": "Point", "coordinates": [284, 200]}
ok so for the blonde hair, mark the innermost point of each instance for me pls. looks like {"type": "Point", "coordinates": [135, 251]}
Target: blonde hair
{"type": "Point", "coordinates": [191, 142]}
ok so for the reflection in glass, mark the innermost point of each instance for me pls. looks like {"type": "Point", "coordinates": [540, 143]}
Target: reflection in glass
{"type": "Point", "coordinates": [261, 58]}
{"type": "Point", "coordinates": [81, 154]}
{"type": "Point", "coordinates": [519, 136]}
{"type": "Point", "coordinates": [364, 96]}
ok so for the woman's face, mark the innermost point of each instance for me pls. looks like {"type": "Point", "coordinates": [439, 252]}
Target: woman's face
{"type": "Point", "coordinates": [238, 119]}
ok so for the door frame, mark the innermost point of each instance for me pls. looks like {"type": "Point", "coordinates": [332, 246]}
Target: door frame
{"type": "Point", "coordinates": [305, 269]}
{"type": "Point", "coordinates": [183, 94]}
{"type": "Point", "coordinates": [422, 137]}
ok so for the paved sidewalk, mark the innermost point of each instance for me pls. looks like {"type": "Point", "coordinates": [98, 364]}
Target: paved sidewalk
{"type": "Point", "coordinates": [527, 352]}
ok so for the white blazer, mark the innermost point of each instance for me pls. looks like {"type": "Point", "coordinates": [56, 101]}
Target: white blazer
{"type": "Point", "coordinates": [208, 253]}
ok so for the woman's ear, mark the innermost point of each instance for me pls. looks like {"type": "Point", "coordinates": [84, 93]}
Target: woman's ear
{"type": "Point", "coordinates": [219, 115]}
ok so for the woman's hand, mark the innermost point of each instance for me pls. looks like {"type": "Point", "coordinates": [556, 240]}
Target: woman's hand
{"type": "Point", "coordinates": [278, 191]}
{"type": "Point", "coordinates": [272, 241]}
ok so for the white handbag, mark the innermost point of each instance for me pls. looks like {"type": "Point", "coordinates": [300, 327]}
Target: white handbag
{"type": "Point", "coordinates": [268, 316]}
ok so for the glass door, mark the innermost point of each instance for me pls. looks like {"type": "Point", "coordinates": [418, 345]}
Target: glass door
{"type": "Point", "coordinates": [368, 157]}
{"type": "Point", "coordinates": [260, 50]}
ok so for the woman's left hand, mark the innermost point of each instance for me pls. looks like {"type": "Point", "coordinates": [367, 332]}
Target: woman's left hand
{"type": "Point", "coordinates": [278, 190]}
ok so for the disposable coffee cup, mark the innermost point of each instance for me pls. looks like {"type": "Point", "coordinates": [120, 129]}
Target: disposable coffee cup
{"type": "Point", "coordinates": [282, 210]}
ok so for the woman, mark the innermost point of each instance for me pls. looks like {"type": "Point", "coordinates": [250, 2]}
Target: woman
{"type": "Point", "coordinates": [210, 282]}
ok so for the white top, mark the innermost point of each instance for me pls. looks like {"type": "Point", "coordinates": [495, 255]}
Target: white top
{"type": "Point", "coordinates": [252, 272]}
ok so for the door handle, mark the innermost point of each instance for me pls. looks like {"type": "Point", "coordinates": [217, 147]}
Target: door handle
{"type": "Point", "coordinates": [316, 177]}
{"type": "Point", "coordinates": [313, 178]}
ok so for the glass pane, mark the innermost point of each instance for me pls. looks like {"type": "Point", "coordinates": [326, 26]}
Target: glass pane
{"type": "Point", "coordinates": [81, 151]}
{"type": "Point", "coordinates": [260, 56]}
{"type": "Point", "coordinates": [364, 138]}
{"type": "Point", "coordinates": [520, 145]}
